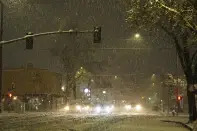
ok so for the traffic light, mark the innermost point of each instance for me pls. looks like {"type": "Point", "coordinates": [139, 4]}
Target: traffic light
{"type": "Point", "coordinates": [10, 95]}
{"type": "Point", "coordinates": [179, 98]}
{"type": "Point", "coordinates": [29, 41]}
{"type": "Point", "coordinates": [97, 34]}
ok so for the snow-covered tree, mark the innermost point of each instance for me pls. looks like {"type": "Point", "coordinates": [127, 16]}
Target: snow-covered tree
{"type": "Point", "coordinates": [177, 18]}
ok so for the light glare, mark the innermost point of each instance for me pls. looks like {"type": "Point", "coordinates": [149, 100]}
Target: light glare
{"type": "Point", "coordinates": [138, 107]}
{"type": "Point", "coordinates": [78, 107]}
{"type": "Point", "coordinates": [128, 107]}
{"type": "Point", "coordinates": [137, 35]}
{"type": "Point", "coordinates": [67, 108]}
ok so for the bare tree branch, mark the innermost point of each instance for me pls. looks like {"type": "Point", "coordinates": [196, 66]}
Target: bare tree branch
{"type": "Point", "coordinates": [193, 3]}
{"type": "Point", "coordinates": [189, 24]}
{"type": "Point", "coordinates": [178, 48]}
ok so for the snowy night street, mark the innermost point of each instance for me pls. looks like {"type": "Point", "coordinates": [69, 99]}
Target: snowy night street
{"type": "Point", "coordinates": [98, 65]}
{"type": "Point", "coordinates": [73, 122]}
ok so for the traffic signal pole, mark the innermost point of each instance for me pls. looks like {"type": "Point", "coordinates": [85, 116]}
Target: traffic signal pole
{"type": "Point", "coordinates": [45, 34]}
{"type": "Point", "coordinates": [96, 35]}
{"type": "Point", "coordinates": [1, 53]}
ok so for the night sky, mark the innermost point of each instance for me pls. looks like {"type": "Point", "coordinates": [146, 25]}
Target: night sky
{"type": "Point", "coordinates": [22, 16]}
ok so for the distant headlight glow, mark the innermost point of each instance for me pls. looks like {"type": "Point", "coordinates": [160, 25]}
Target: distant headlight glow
{"type": "Point", "coordinates": [98, 109]}
{"type": "Point", "coordinates": [86, 108]}
{"type": "Point", "coordinates": [128, 107]}
{"type": "Point", "coordinates": [78, 107]}
{"type": "Point", "coordinates": [67, 108]}
{"type": "Point", "coordinates": [138, 107]}
{"type": "Point", "coordinates": [108, 109]}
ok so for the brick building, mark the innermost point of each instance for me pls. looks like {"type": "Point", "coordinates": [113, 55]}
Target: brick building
{"type": "Point", "coordinates": [31, 81]}
{"type": "Point", "coordinates": [33, 84]}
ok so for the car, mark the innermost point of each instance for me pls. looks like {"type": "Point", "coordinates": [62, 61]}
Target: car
{"type": "Point", "coordinates": [103, 108]}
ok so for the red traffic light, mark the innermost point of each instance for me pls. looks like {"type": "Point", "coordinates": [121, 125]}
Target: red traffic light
{"type": "Point", "coordinates": [179, 98]}
{"type": "Point", "coordinates": [10, 95]}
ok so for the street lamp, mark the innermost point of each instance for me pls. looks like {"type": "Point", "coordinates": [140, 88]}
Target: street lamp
{"type": "Point", "coordinates": [153, 78]}
{"type": "Point", "coordinates": [86, 90]}
{"type": "Point", "coordinates": [104, 92]}
{"type": "Point", "coordinates": [63, 88]}
{"type": "Point", "coordinates": [116, 77]}
{"type": "Point", "coordinates": [137, 35]}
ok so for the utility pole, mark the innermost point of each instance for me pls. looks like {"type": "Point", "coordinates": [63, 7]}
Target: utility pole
{"type": "Point", "coordinates": [1, 53]}
{"type": "Point", "coordinates": [177, 86]}
{"type": "Point", "coordinates": [168, 102]}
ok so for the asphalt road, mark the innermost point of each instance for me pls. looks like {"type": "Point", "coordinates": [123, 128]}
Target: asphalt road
{"type": "Point", "coordinates": [59, 121]}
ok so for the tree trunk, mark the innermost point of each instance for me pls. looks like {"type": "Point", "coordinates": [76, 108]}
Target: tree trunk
{"type": "Point", "coordinates": [184, 57]}
{"type": "Point", "coordinates": [191, 101]}
{"type": "Point", "coordinates": [74, 90]}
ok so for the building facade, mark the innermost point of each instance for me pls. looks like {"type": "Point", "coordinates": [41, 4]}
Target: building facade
{"type": "Point", "coordinates": [37, 88]}
{"type": "Point", "coordinates": [31, 81]}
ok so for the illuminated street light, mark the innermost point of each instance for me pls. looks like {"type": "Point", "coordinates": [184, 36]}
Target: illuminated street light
{"type": "Point", "coordinates": [15, 98]}
{"type": "Point", "coordinates": [92, 80]}
{"type": "Point", "coordinates": [137, 35]}
{"type": "Point", "coordinates": [149, 98]}
{"type": "Point", "coordinates": [86, 90]}
{"type": "Point", "coordinates": [63, 88]}
{"type": "Point", "coordinates": [116, 77]}
{"type": "Point", "coordinates": [104, 92]}
{"type": "Point", "coordinates": [153, 78]}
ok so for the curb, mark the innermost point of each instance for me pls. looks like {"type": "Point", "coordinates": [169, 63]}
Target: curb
{"type": "Point", "coordinates": [179, 123]}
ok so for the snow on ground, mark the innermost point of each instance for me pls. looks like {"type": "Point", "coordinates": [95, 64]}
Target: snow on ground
{"type": "Point", "coordinates": [144, 125]}
{"type": "Point", "coordinates": [59, 121]}
{"type": "Point", "coordinates": [182, 118]}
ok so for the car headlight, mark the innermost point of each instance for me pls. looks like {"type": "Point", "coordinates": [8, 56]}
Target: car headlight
{"type": "Point", "coordinates": [98, 109]}
{"type": "Point", "coordinates": [138, 107]}
{"type": "Point", "coordinates": [128, 107]}
{"type": "Point", "coordinates": [78, 107]}
{"type": "Point", "coordinates": [108, 109]}
{"type": "Point", "coordinates": [67, 108]}
{"type": "Point", "coordinates": [86, 108]}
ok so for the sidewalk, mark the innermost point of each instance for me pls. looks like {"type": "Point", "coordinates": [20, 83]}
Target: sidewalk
{"type": "Point", "coordinates": [182, 119]}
